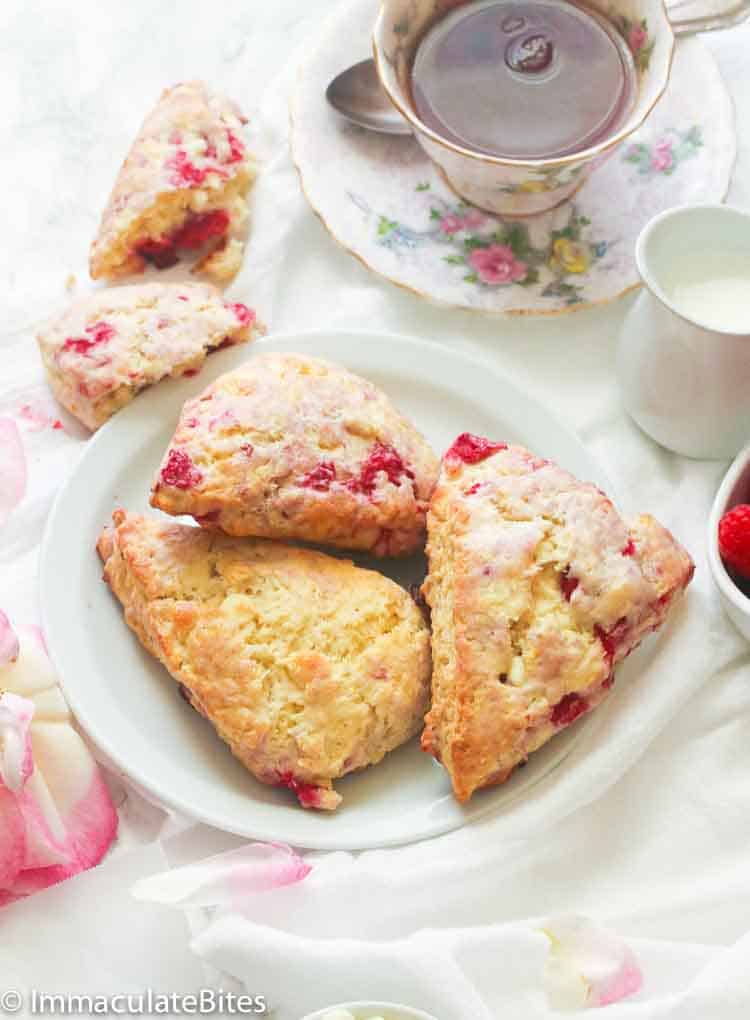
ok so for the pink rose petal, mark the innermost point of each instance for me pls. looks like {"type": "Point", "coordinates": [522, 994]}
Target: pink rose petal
{"type": "Point", "coordinates": [16, 759]}
{"type": "Point", "coordinates": [60, 818]}
{"type": "Point", "coordinates": [227, 878]}
{"type": "Point", "coordinates": [12, 839]}
{"type": "Point", "coordinates": [587, 966]}
{"type": "Point", "coordinates": [12, 468]}
{"type": "Point", "coordinates": [8, 641]}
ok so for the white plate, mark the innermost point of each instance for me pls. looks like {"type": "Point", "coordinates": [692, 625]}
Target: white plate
{"type": "Point", "coordinates": [126, 701]}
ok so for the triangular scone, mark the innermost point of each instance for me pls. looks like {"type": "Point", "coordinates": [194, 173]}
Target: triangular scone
{"type": "Point", "coordinates": [183, 188]}
{"type": "Point", "coordinates": [111, 344]}
{"type": "Point", "coordinates": [537, 589]}
{"type": "Point", "coordinates": [307, 666]}
{"type": "Point", "coordinates": [288, 446]}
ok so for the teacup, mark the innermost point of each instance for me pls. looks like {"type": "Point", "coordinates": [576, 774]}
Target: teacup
{"type": "Point", "coordinates": [521, 187]}
{"type": "Point", "coordinates": [684, 369]}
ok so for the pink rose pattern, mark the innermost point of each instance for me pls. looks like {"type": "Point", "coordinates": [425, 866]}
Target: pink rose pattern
{"type": "Point", "coordinates": [638, 38]}
{"type": "Point", "coordinates": [497, 264]}
{"type": "Point", "coordinates": [452, 223]}
{"type": "Point", "coordinates": [662, 158]}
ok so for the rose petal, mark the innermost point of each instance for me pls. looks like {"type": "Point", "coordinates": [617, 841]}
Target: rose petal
{"type": "Point", "coordinates": [587, 965]}
{"type": "Point", "coordinates": [16, 759]}
{"type": "Point", "coordinates": [12, 839]}
{"type": "Point", "coordinates": [226, 878]}
{"type": "Point", "coordinates": [8, 641]}
{"type": "Point", "coordinates": [63, 810]}
{"type": "Point", "coordinates": [12, 468]}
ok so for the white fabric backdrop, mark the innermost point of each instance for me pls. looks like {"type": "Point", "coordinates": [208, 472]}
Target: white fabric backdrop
{"type": "Point", "coordinates": [661, 856]}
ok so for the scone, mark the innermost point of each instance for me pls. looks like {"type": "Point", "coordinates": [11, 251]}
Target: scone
{"type": "Point", "coordinates": [109, 345]}
{"type": "Point", "coordinates": [537, 589]}
{"type": "Point", "coordinates": [288, 446]}
{"type": "Point", "coordinates": [307, 666]}
{"type": "Point", "coordinates": [183, 188]}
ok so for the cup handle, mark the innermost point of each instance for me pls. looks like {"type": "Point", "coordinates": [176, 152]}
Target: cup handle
{"type": "Point", "coordinates": [689, 16]}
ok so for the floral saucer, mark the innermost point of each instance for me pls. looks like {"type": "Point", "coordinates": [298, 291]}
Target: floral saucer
{"type": "Point", "coordinates": [383, 200]}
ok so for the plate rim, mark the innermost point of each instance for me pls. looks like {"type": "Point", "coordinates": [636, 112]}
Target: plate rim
{"type": "Point", "coordinates": [149, 788]}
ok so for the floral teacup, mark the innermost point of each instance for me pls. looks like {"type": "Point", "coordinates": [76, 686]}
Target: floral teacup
{"type": "Point", "coordinates": [521, 187]}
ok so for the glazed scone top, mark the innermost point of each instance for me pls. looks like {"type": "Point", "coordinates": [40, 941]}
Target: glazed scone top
{"type": "Point", "coordinates": [190, 140]}
{"type": "Point", "coordinates": [553, 586]}
{"type": "Point", "coordinates": [300, 430]}
{"type": "Point", "coordinates": [134, 336]}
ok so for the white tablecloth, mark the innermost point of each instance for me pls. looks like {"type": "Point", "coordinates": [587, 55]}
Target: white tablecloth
{"type": "Point", "coordinates": [661, 855]}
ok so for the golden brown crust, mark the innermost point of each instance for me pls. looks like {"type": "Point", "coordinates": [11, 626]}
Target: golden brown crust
{"type": "Point", "coordinates": [537, 588]}
{"type": "Point", "coordinates": [307, 666]}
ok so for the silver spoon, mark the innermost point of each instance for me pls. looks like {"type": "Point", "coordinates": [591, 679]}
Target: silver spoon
{"type": "Point", "coordinates": [357, 94]}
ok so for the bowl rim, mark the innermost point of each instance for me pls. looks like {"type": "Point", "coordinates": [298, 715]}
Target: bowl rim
{"type": "Point", "coordinates": [645, 271]}
{"type": "Point", "coordinates": [409, 1012]}
{"type": "Point", "coordinates": [583, 156]}
{"type": "Point", "coordinates": [721, 577]}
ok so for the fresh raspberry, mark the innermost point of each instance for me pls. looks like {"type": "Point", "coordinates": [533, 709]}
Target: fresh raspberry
{"type": "Point", "coordinates": [568, 709]}
{"type": "Point", "coordinates": [629, 549]}
{"type": "Point", "coordinates": [200, 228]}
{"type": "Point", "coordinates": [321, 477]}
{"type": "Point", "coordinates": [734, 539]}
{"type": "Point", "coordinates": [245, 315]}
{"type": "Point", "coordinates": [381, 457]}
{"type": "Point", "coordinates": [180, 471]}
{"type": "Point", "coordinates": [471, 449]}
{"type": "Point", "coordinates": [568, 584]}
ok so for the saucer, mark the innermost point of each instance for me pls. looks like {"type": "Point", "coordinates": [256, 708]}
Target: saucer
{"type": "Point", "coordinates": [383, 200]}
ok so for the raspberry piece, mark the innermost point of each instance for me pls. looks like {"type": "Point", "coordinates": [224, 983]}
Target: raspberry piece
{"type": "Point", "coordinates": [159, 252]}
{"type": "Point", "coordinates": [471, 449]}
{"type": "Point", "coordinates": [734, 539]}
{"type": "Point", "coordinates": [245, 315]}
{"type": "Point", "coordinates": [610, 639]}
{"type": "Point", "coordinates": [568, 709]}
{"type": "Point", "coordinates": [381, 457]}
{"type": "Point", "coordinates": [321, 477]}
{"type": "Point", "coordinates": [100, 333]}
{"type": "Point", "coordinates": [180, 471]}
{"type": "Point", "coordinates": [472, 490]}
{"type": "Point", "coordinates": [568, 584]}
{"type": "Point", "coordinates": [236, 148]}
{"type": "Point", "coordinates": [307, 794]}
{"type": "Point", "coordinates": [199, 229]}
{"type": "Point", "coordinates": [629, 549]}
{"type": "Point", "coordinates": [248, 449]}
{"type": "Point", "coordinates": [185, 172]}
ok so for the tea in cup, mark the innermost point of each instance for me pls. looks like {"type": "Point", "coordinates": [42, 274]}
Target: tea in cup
{"type": "Point", "coordinates": [517, 101]}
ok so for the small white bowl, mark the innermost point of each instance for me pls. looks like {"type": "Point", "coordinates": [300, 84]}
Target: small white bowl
{"type": "Point", "coordinates": [733, 490]}
{"type": "Point", "coordinates": [365, 1010]}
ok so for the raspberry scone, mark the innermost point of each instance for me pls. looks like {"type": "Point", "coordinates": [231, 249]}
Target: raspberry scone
{"type": "Point", "coordinates": [288, 446]}
{"type": "Point", "coordinates": [109, 345]}
{"type": "Point", "coordinates": [300, 696]}
{"type": "Point", "coordinates": [182, 189]}
{"type": "Point", "coordinates": [537, 589]}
